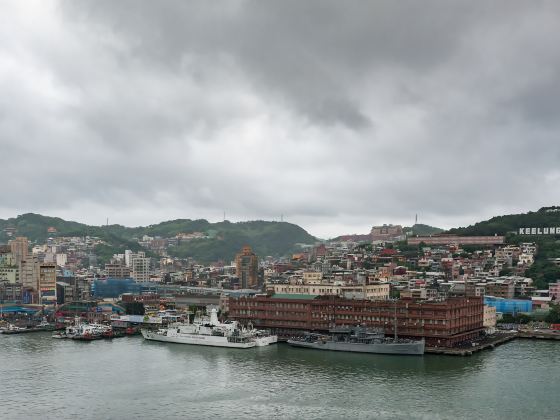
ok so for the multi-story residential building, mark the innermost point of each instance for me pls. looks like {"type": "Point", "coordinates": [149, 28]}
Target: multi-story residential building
{"type": "Point", "coordinates": [29, 275]}
{"type": "Point", "coordinates": [528, 248]}
{"type": "Point", "coordinates": [20, 250]}
{"type": "Point", "coordinates": [247, 268]}
{"type": "Point", "coordinates": [9, 272]}
{"type": "Point", "coordinates": [504, 288]}
{"type": "Point", "coordinates": [312, 277]}
{"type": "Point", "coordinates": [554, 291]}
{"type": "Point", "coordinates": [39, 279]}
{"type": "Point", "coordinates": [141, 268]}
{"type": "Point", "coordinates": [65, 292]}
{"type": "Point", "coordinates": [47, 282]}
{"type": "Point", "coordinates": [117, 271]}
{"type": "Point", "coordinates": [417, 293]}
{"type": "Point", "coordinates": [475, 287]}
{"type": "Point", "coordinates": [489, 321]}
{"type": "Point", "coordinates": [61, 259]}
{"type": "Point", "coordinates": [129, 255]}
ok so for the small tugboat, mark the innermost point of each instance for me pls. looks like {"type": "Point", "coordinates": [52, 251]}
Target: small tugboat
{"type": "Point", "coordinates": [13, 329]}
{"type": "Point", "coordinates": [90, 332]}
{"type": "Point", "coordinates": [70, 330]}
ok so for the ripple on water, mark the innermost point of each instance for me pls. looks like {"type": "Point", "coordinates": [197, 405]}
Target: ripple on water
{"type": "Point", "coordinates": [131, 378]}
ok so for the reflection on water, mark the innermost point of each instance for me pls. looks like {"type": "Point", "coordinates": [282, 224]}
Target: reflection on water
{"type": "Point", "coordinates": [282, 357]}
{"type": "Point", "coordinates": [132, 378]}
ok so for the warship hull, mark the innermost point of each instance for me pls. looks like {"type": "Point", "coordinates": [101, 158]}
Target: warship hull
{"type": "Point", "coordinates": [414, 348]}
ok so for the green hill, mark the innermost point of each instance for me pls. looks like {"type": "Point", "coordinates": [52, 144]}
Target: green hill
{"type": "Point", "coordinates": [501, 225]}
{"type": "Point", "coordinates": [224, 240]}
{"type": "Point", "coordinates": [543, 271]}
{"type": "Point", "coordinates": [422, 230]}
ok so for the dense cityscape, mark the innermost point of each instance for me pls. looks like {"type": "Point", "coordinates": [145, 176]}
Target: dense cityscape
{"type": "Point", "coordinates": [254, 209]}
{"type": "Point", "coordinates": [452, 291]}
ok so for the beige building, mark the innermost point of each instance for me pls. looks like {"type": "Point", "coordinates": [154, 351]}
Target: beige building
{"type": "Point", "coordinates": [9, 275]}
{"type": "Point", "coordinates": [29, 275]}
{"type": "Point", "coordinates": [9, 272]}
{"type": "Point", "coordinates": [40, 278]}
{"type": "Point", "coordinates": [386, 232]}
{"type": "Point", "coordinates": [20, 249]}
{"type": "Point", "coordinates": [117, 271]}
{"type": "Point", "coordinates": [47, 281]}
{"type": "Point", "coordinates": [416, 293]}
{"type": "Point", "coordinates": [504, 288]}
{"type": "Point", "coordinates": [141, 268]}
{"type": "Point", "coordinates": [489, 321]}
{"type": "Point", "coordinates": [377, 291]}
{"type": "Point", "coordinates": [61, 259]}
{"type": "Point", "coordinates": [312, 277]}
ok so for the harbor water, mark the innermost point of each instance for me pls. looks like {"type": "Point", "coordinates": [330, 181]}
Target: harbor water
{"type": "Point", "coordinates": [130, 378]}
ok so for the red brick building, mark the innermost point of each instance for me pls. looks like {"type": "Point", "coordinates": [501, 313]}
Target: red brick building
{"type": "Point", "coordinates": [444, 323]}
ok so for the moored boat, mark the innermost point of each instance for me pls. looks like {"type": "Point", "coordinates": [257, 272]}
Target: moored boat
{"type": "Point", "coordinates": [359, 340]}
{"type": "Point", "coordinates": [90, 332]}
{"type": "Point", "coordinates": [210, 332]}
{"type": "Point", "coordinates": [14, 329]}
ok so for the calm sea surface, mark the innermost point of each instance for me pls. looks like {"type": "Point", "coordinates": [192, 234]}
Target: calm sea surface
{"type": "Point", "coordinates": [130, 378]}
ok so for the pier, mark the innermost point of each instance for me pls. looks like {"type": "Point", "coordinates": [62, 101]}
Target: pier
{"type": "Point", "coordinates": [539, 335]}
{"type": "Point", "coordinates": [492, 342]}
{"type": "Point", "coordinates": [483, 344]}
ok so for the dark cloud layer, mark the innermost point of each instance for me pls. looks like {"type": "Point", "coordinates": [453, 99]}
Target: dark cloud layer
{"type": "Point", "coordinates": [338, 115]}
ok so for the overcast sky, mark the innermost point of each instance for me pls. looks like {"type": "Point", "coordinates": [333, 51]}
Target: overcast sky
{"type": "Point", "coordinates": [339, 115]}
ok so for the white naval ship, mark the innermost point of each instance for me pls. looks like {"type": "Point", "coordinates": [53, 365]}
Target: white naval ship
{"type": "Point", "coordinates": [211, 332]}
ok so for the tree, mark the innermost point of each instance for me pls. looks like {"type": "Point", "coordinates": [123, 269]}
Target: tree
{"type": "Point", "coordinates": [505, 271]}
{"type": "Point", "coordinates": [134, 308]}
{"type": "Point", "coordinates": [553, 316]}
{"type": "Point", "coordinates": [395, 294]}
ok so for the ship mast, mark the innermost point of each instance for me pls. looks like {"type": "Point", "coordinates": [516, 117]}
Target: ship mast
{"type": "Point", "coordinates": [395, 320]}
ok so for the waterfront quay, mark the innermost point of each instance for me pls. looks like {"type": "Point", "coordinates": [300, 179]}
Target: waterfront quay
{"type": "Point", "coordinates": [469, 348]}
{"type": "Point", "coordinates": [539, 334]}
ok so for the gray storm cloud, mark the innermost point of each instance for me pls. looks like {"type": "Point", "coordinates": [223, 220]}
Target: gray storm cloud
{"type": "Point", "coordinates": [338, 115]}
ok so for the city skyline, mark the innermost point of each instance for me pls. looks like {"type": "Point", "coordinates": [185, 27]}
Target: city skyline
{"type": "Point", "coordinates": [328, 114]}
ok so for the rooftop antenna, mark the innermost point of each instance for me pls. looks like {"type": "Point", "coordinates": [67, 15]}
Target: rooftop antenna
{"type": "Point", "coordinates": [107, 222]}
{"type": "Point", "coordinates": [282, 217]}
{"type": "Point", "coordinates": [416, 219]}
{"type": "Point", "coordinates": [224, 215]}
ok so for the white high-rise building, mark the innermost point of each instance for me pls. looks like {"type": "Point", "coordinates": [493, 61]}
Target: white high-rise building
{"type": "Point", "coordinates": [141, 268]}
{"type": "Point", "coordinates": [129, 256]}
{"type": "Point", "coordinates": [61, 259]}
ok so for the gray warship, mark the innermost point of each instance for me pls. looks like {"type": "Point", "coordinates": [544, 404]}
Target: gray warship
{"type": "Point", "coordinates": [360, 340]}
